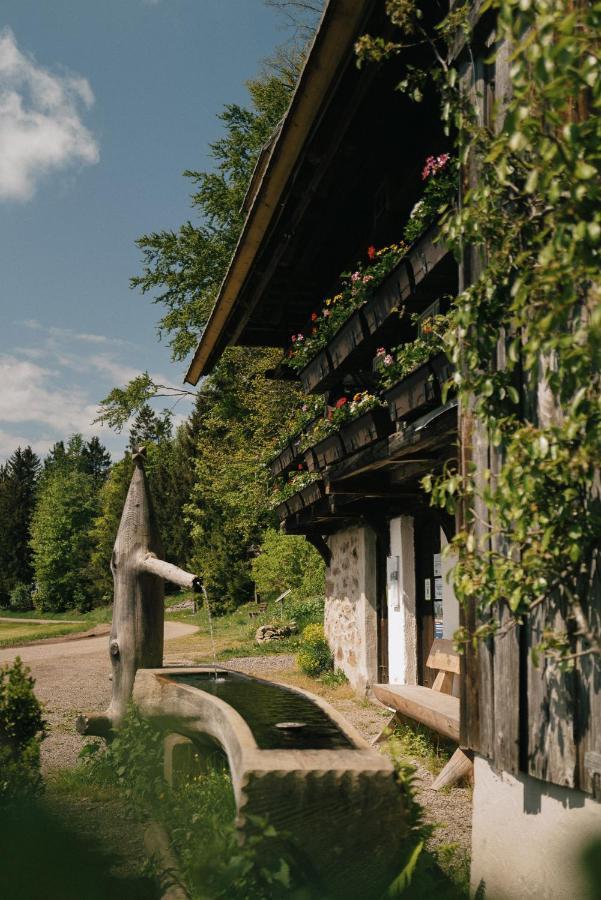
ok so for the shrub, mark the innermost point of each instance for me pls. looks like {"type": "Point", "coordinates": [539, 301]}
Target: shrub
{"type": "Point", "coordinates": [315, 655]}
{"type": "Point", "coordinates": [22, 730]}
{"type": "Point", "coordinates": [288, 561]}
{"type": "Point", "coordinates": [20, 598]}
{"type": "Point", "coordinates": [304, 612]}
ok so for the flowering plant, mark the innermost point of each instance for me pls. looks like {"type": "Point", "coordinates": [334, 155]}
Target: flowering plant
{"type": "Point", "coordinates": [392, 365]}
{"type": "Point", "coordinates": [356, 288]}
{"type": "Point", "coordinates": [295, 482]}
{"type": "Point", "coordinates": [344, 411]}
{"type": "Point", "coordinates": [440, 177]}
{"type": "Point", "coordinates": [300, 418]}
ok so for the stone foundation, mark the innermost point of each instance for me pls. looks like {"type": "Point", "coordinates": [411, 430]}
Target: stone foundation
{"type": "Point", "coordinates": [350, 615]}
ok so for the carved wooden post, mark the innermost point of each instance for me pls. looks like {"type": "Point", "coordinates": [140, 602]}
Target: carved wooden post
{"type": "Point", "coordinates": [136, 640]}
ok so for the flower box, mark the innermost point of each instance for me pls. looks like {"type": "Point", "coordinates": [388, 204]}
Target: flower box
{"type": "Point", "coordinates": [328, 451]}
{"type": "Point", "coordinates": [283, 461]}
{"type": "Point", "coordinates": [389, 298]}
{"type": "Point", "coordinates": [419, 391]}
{"type": "Point", "coordinates": [315, 371]}
{"type": "Point", "coordinates": [365, 429]}
{"type": "Point", "coordinates": [312, 493]}
{"type": "Point", "coordinates": [281, 510]}
{"type": "Point", "coordinates": [295, 503]}
{"type": "Point", "coordinates": [350, 336]}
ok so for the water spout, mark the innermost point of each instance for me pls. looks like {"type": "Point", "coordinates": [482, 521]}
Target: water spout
{"type": "Point", "coordinates": [210, 621]}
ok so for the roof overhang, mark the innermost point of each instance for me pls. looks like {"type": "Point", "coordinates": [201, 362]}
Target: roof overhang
{"type": "Point", "coordinates": [340, 26]}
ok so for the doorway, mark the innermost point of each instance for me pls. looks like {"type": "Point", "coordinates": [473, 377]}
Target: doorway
{"type": "Point", "coordinates": [429, 592]}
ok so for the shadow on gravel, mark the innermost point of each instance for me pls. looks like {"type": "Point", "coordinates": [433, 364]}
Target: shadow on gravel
{"type": "Point", "coordinates": [42, 857]}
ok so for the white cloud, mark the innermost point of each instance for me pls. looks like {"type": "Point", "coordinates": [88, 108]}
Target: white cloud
{"type": "Point", "coordinates": [40, 125]}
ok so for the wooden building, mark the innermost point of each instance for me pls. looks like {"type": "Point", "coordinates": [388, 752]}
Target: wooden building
{"type": "Point", "coordinates": [341, 175]}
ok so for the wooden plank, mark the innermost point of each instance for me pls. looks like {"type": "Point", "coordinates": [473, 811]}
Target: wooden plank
{"type": "Point", "coordinates": [552, 753]}
{"type": "Point", "coordinates": [443, 683]}
{"type": "Point", "coordinates": [459, 767]}
{"type": "Point", "coordinates": [589, 704]}
{"type": "Point", "coordinates": [444, 656]}
{"type": "Point", "coordinates": [437, 711]}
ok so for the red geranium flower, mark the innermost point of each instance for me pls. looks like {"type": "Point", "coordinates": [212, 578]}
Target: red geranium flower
{"type": "Point", "coordinates": [341, 402]}
{"type": "Point", "coordinates": [371, 252]}
{"type": "Point", "coordinates": [314, 317]}
{"type": "Point", "coordinates": [300, 467]}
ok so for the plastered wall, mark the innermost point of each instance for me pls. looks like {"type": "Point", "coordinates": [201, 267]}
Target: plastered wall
{"type": "Point", "coordinates": [529, 836]}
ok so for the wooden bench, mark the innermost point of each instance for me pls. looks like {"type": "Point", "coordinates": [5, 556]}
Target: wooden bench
{"type": "Point", "coordinates": [260, 610]}
{"type": "Point", "coordinates": [434, 707]}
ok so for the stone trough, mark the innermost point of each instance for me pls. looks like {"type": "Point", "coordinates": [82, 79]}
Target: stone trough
{"type": "Point", "coordinates": [295, 762]}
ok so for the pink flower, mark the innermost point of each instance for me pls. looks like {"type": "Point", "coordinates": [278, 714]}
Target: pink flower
{"type": "Point", "coordinates": [326, 313]}
{"type": "Point", "coordinates": [367, 279]}
{"type": "Point", "coordinates": [380, 351]}
{"type": "Point", "coordinates": [300, 337]}
{"type": "Point", "coordinates": [304, 407]}
{"type": "Point", "coordinates": [293, 338]}
{"type": "Point", "coordinates": [388, 360]}
{"type": "Point", "coordinates": [355, 276]}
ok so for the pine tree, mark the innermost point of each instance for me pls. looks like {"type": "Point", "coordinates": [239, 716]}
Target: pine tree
{"type": "Point", "coordinates": [95, 460]}
{"type": "Point", "coordinates": [149, 427]}
{"type": "Point", "coordinates": [18, 485]}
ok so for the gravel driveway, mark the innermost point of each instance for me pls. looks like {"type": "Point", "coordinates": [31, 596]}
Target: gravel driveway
{"type": "Point", "coordinates": [72, 677]}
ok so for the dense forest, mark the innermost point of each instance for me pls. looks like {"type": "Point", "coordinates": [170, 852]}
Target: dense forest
{"type": "Point", "coordinates": [208, 477]}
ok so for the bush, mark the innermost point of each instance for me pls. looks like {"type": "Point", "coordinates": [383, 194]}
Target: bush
{"type": "Point", "coordinates": [288, 561]}
{"type": "Point", "coordinates": [20, 598]}
{"type": "Point", "coordinates": [22, 730]}
{"type": "Point", "coordinates": [315, 655]}
{"type": "Point", "coordinates": [304, 612]}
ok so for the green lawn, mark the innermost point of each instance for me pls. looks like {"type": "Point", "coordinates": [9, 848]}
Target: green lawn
{"type": "Point", "coordinates": [22, 632]}
{"type": "Point", "coordinates": [16, 634]}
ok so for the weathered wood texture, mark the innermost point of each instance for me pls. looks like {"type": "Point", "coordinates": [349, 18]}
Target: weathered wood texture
{"type": "Point", "coordinates": [522, 716]}
{"type": "Point", "coordinates": [136, 639]}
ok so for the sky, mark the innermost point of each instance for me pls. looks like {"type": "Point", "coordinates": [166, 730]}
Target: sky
{"type": "Point", "coordinates": [103, 104]}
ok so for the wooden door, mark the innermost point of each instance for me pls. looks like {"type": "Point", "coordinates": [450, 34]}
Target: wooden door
{"type": "Point", "coordinates": [428, 584]}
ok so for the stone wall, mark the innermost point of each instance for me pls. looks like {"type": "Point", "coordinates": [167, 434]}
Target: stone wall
{"type": "Point", "coordinates": [350, 615]}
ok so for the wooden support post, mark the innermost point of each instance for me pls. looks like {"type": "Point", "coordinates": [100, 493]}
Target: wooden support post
{"type": "Point", "coordinates": [136, 640]}
{"type": "Point", "coordinates": [460, 765]}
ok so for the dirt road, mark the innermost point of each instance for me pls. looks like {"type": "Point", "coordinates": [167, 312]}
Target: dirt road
{"type": "Point", "coordinates": [72, 677]}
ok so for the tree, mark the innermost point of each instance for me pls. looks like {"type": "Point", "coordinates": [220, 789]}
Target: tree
{"type": "Point", "coordinates": [60, 539]}
{"type": "Point", "coordinates": [95, 460]}
{"type": "Point", "coordinates": [288, 561]}
{"type": "Point", "coordinates": [104, 528]}
{"type": "Point", "coordinates": [18, 483]}
{"type": "Point", "coordinates": [149, 426]}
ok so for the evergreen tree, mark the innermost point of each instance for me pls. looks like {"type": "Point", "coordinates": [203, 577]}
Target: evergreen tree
{"type": "Point", "coordinates": [95, 460]}
{"type": "Point", "coordinates": [18, 484]}
{"type": "Point", "coordinates": [149, 427]}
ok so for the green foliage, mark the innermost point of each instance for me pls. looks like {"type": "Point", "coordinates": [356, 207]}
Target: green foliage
{"type": "Point", "coordinates": [528, 338]}
{"type": "Point", "coordinates": [22, 730]}
{"type": "Point", "coordinates": [18, 486]}
{"type": "Point", "coordinates": [356, 288]}
{"type": "Point", "coordinates": [288, 561]}
{"type": "Point", "coordinates": [238, 419]}
{"type": "Point", "coordinates": [441, 179]}
{"type": "Point", "coordinates": [315, 656]}
{"type": "Point", "coordinates": [406, 358]}
{"type": "Point", "coordinates": [20, 597]}
{"type": "Point", "coordinates": [60, 538]}
{"type": "Point", "coordinates": [199, 817]}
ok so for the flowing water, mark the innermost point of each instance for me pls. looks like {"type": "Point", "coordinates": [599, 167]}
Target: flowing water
{"type": "Point", "coordinates": [279, 718]}
{"type": "Point", "coordinates": [210, 620]}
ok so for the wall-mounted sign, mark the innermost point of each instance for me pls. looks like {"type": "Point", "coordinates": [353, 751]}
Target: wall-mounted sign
{"type": "Point", "coordinates": [427, 589]}
{"type": "Point", "coordinates": [437, 565]}
{"type": "Point", "coordinates": [393, 585]}
{"type": "Point", "coordinates": [438, 588]}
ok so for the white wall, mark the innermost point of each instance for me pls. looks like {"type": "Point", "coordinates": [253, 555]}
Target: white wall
{"type": "Point", "coordinates": [350, 616]}
{"type": "Point", "coordinates": [402, 629]}
{"type": "Point", "coordinates": [528, 835]}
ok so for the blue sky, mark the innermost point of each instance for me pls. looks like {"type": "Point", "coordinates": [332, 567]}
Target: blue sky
{"type": "Point", "coordinates": [103, 104]}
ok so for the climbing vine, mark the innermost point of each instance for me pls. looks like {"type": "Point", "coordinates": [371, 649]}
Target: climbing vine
{"type": "Point", "coordinates": [527, 345]}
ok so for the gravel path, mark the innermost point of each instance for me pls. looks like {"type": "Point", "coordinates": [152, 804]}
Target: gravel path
{"type": "Point", "coordinates": [72, 677]}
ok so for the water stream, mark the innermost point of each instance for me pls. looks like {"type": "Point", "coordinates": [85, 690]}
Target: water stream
{"type": "Point", "coordinates": [210, 620]}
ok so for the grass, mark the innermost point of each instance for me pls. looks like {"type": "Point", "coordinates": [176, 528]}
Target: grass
{"type": "Point", "coordinates": [416, 743]}
{"type": "Point", "coordinates": [233, 634]}
{"type": "Point", "coordinates": [17, 634]}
